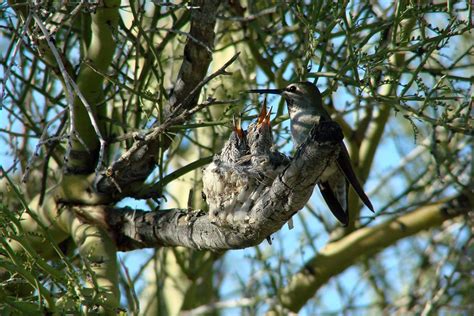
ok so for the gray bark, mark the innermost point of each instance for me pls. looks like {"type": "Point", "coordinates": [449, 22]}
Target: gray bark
{"type": "Point", "coordinates": [133, 229]}
{"type": "Point", "coordinates": [130, 170]}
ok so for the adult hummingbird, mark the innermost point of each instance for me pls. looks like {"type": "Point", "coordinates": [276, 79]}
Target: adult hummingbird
{"type": "Point", "coordinates": [305, 107]}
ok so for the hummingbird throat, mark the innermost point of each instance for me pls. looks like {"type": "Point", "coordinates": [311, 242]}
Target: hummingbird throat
{"type": "Point", "coordinates": [301, 124]}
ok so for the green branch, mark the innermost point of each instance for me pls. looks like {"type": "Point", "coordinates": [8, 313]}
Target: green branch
{"type": "Point", "coordinates": [339, 255]}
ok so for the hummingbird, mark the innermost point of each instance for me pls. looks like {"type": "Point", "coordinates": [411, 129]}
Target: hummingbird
{"type": "Point", "coordinates": [263, 153]}
{"type": "Point", "coordinates": [236, 146]}
{"type": "Point", "coordinates": [259, 133]}
{"type": "Point", "coordinates": [265, 159]}
{"type": "Point", "coordinates": [225, 179]}
{"type": "Point", "coordinates": [305, 108]}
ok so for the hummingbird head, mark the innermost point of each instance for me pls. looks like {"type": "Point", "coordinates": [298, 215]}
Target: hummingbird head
{"type": "Point", "coordinates": [236, 146]}
{"type": "Point", "coordinates": [259, 135]}
{"type": "Point", "coordinates": [305, 107]}
{"type": "Point", "coordinates": [298, 95]}
{"type": "Point", "coordinates": [238, 136]}
{"type": "Point", "coordinates": [302, 96]}
{"type": "Point", "coordinates": [264, 116]}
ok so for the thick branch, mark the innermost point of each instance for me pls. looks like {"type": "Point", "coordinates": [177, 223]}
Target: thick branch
{"type": "Point", "coordinates": [197, 52]}
{"type": "Point", "coordinates": [85, 154]}
{"type": "Point", "coordinates": [341, 254]}
{"type": "Point", "coordinates": [134, 166]}
{"type": "Point", "coordinates": [274, 206]}
{"type": "Point", "coordinates": [136, 163]}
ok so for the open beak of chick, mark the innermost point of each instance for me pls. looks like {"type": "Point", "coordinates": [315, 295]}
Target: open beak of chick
{"type": "Point", "coordinates": [264, 116]}
{"type": "Point", "coordinates": [237, 127]}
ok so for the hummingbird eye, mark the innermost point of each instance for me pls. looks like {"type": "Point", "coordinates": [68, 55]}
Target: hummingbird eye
{"type": "Point", "coordinates": [291, 89]}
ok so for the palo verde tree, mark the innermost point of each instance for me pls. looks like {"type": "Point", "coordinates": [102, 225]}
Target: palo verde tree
{"type": "Point", "coordinates": [110, 110]}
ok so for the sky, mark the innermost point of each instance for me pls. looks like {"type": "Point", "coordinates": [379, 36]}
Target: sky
{"type": "Point", "coordinates": [283, 240]}
{"type": "Point", "coordinates": [286, 242]}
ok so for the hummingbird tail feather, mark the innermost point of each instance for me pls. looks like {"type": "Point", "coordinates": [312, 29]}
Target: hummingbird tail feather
{"type": "Point", "coordinates": [333, 203]}
{"type": "Point", "coordinates": [344, 163]}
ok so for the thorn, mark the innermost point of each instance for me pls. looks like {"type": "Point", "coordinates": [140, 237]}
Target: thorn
{"type": "Point", "coordinates": [190, 199]}
{"type": "Point", "coordinates": [269, 239]}
{"type": "Point", "coordinates": [290, 224]}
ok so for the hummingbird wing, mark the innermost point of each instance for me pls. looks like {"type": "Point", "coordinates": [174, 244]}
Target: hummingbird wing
{"type": "Point", "coordinates": [334, 192]}
{"type": "Point", "coordinates": [344, 163]}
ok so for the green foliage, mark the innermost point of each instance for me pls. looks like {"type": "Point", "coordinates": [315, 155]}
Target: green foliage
{"type": "Point", "coordinates": [38, 280]}
{"type": "Point", "coordinates": [397, 77]}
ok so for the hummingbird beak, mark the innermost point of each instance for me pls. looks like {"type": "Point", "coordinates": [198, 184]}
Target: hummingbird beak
{"type": "Point", "coordinates": [266, 91]}
{"type": "Point", "coordinates": [267, 117]}
{"type": "Point", "coordinates": [264, 116]}
{"type": "Point", "coordinates": [263, 113]}
{"type": "Point", "coordinates": [237, 127]}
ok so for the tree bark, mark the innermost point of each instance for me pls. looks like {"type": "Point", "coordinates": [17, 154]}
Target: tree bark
{"type": "Point", "coordinates": [133, 229]}
{"type": "Point", "coordinates": [339, 255]}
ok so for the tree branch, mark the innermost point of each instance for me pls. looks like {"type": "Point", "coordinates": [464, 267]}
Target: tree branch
{"type": "Point", "coordinates": [134, 166]}
{"type": "Point", "coordinates": [196, 58]}
{"type": "Point", "coordinates": [289, 192]}
{"type": "Point", "coordinates": [136, 163]}
{"type": "Point", "coordinates": [341, 254]}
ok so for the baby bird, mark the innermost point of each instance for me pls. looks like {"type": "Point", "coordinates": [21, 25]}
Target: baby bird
{"type": "Point", "coordinates": [225, 178]}
{"type": "Point", "coordinates": [246, 166]}
{"type": "Point", "coordinates": [265, 159]}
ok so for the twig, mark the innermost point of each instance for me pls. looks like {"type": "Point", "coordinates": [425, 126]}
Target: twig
{"type": "Point", "coordinates": [174, 118]}
{"type": "Point", "coordinates": [119, 84]}
{"type": "Point", "coordinates": [43, 140]}
{"type": "Point", "coordinates": [12, 59]}
{"type": "Point", "coordinates": [69, 93]}
{"type": "Point", "coordinates": [49, 153]}
{"type": "Point", "coordinates": [71, 85]}
{"type": "Point", "coordinates": [197, 89]}
{"type": "Point", "coordinates": [69, 16]}
{"type": "Point", "coordinates": [195, 40]}
{"type": "Point", "coordinates": [158, 130]}
{"type": "Point", "coordinates": [174, 6]}
{"type": "Point", "coordinates": [94, 123]}
{"type": "Point", "coordinates": [213, 307]}
{"type": "Point", "coordinates": [250, 17]}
